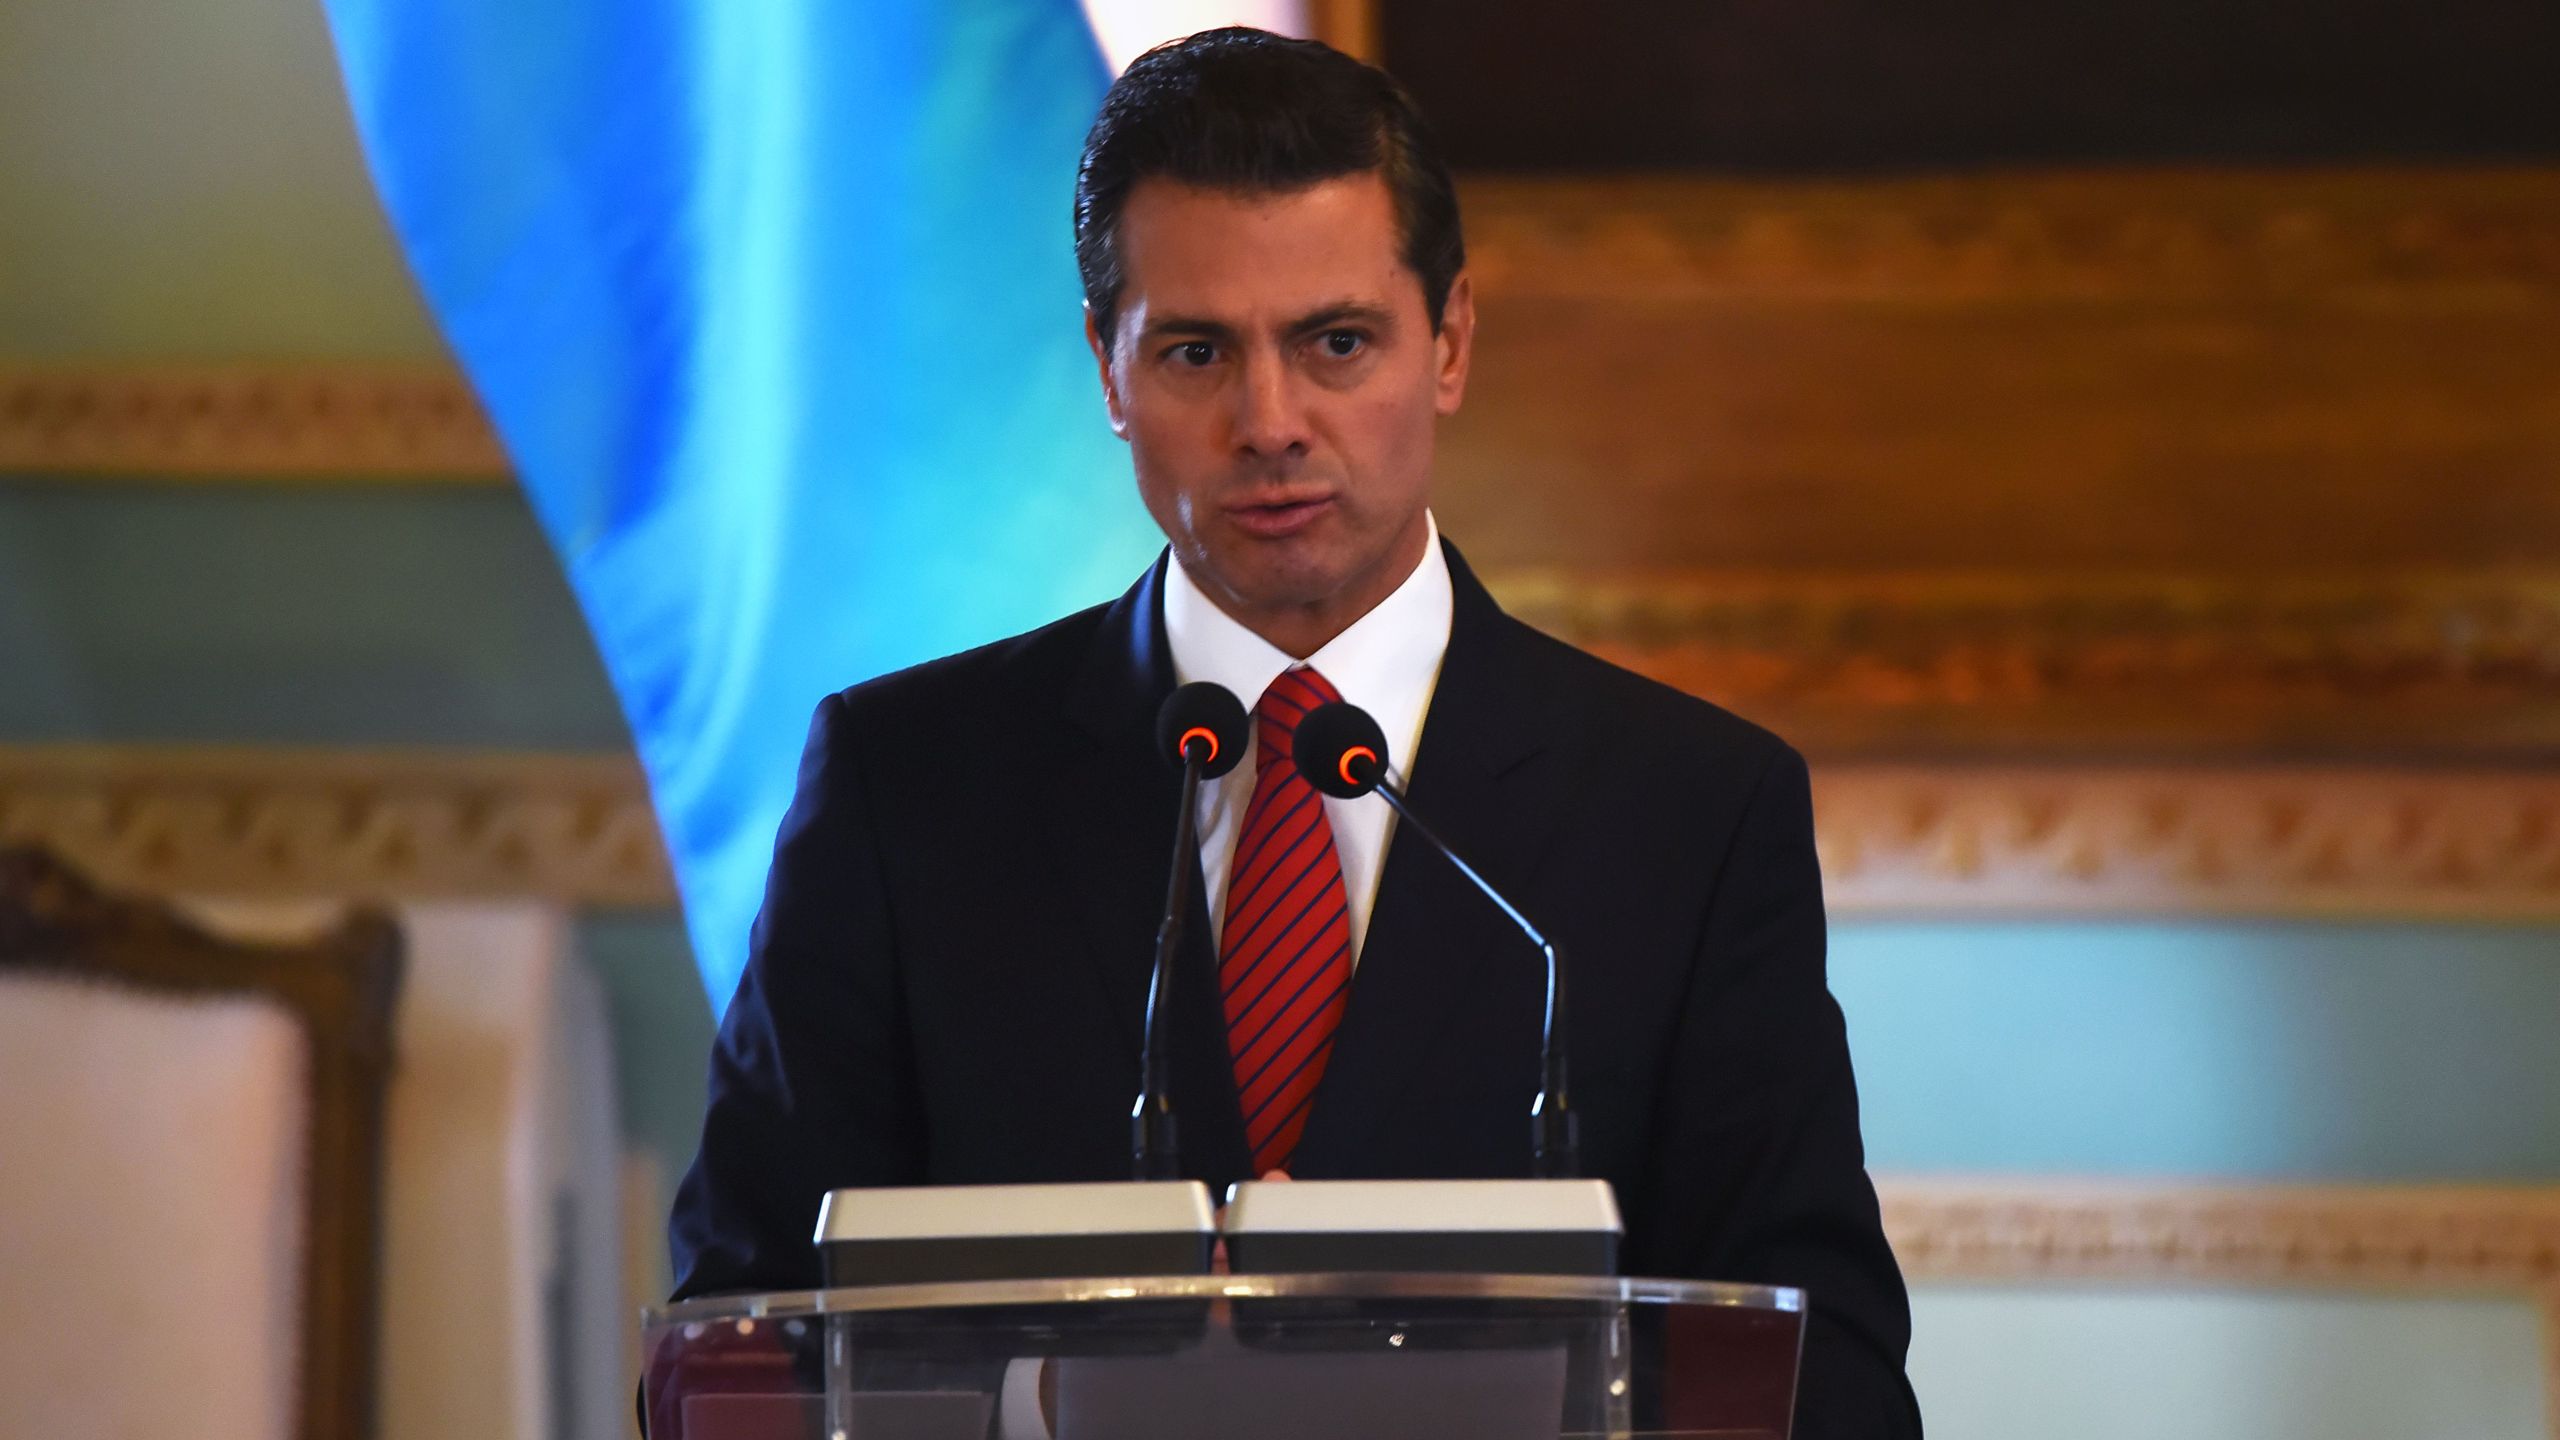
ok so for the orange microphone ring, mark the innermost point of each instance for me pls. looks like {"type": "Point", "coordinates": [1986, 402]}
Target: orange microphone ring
{"type": "Point", "coordinates": [1347, 777]}
{"type": "Point", "coordinates": [1183, 746]}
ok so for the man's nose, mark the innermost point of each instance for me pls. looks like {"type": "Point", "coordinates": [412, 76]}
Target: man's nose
{"type": "Point", "coordinates": [1270, 420]}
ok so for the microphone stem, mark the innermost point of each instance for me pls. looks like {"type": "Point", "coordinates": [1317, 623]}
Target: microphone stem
{"type": "Point", "coordinates": [1395, 799]}
{"type": "Point", "coordinates": [1555, 1146]}
{"type": "Point", "coordinates": [1156, 1151]}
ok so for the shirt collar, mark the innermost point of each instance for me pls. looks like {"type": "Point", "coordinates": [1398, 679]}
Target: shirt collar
{"type": "Point", "coordinates": [1385, 662]}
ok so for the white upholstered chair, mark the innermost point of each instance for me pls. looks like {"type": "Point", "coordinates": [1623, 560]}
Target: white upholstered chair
{"type": "Point", "coordinates": [190, 1169]}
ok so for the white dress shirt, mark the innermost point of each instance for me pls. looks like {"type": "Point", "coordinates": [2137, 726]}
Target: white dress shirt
{"type": "Point", "coordinates": [1387, 663]}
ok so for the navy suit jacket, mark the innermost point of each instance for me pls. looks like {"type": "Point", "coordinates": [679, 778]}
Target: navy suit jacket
{"type": "Point", "coordinates": [947, 981]}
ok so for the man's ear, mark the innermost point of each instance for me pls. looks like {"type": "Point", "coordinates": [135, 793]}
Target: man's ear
{"type": "Point", "coordinates": [1455, 345]}
{"type": "Point", "coordinates": [1110, 387]}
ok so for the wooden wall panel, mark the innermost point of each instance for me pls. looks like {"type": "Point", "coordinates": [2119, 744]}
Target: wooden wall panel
{"type": "Point", "coordinates": [2087, 465]}
{"type": "Point", "coordinates": [2156, 371]}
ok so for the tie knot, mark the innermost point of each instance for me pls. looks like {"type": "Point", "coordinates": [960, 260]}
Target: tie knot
{"type": "Point", "coordinates": [1290, 696]}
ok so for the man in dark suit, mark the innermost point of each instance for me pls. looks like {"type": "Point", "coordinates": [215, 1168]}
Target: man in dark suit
{"type": "Point", "coordinates": [946, 983]}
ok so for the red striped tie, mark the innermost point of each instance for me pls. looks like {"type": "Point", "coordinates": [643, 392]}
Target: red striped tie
{"type": "Point", "coordinates": [1285, 961]}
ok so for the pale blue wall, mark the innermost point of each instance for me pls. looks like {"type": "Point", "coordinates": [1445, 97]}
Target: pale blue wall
{"type": "Point", "coordinates": [661, 1028]}
{"type": "Point", "coordinates": [2093, 1362]}
{"type": "Point", "coordinates": [330, 615]}
{"type": "Point", "coordinates": [2265, 1050]}
{"type": "Point", "coordinates": [427, 615]}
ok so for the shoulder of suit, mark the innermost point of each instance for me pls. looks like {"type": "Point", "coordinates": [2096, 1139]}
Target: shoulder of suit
{"type": "Point", "coordinates": [1614, 699]}
{"type": "Point", "coordinates": [1029, 669]}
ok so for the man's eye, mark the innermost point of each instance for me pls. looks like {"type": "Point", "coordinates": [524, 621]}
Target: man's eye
{"type": "Point", "coordinates": [1343, 344]}
{"type": "Point", "coordinates": [1195, 352]}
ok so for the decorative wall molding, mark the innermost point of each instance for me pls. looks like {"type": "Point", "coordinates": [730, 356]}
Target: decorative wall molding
{"type": "Point", "coordinates": [392, 824]}
{"type": "Point", "coordinates": [2352, 234]}
{"type": "Point", "coordinates": [2439, 1238]}
{"type": "Point", "coordinates": [2259, 841]}
{"type": "Point", "coordinates": [1895, 840]}
{"type": "Point", "coordinates": [2436, 1237]}
{"type": "Point", "coordinates": [282, 422]}
{"type": "Point", "coordinates": [2408, 663]}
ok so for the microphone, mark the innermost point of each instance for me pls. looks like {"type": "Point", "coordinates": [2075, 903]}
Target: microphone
{"type": "Point", "coordinates": [1343, 753]}
{"type": "Point", "coordinates": [1200, 728]}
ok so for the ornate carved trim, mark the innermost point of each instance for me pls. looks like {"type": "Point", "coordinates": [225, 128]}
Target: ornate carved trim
{"type": "Point", "coordinates": [334, 422]}
{"type": "Point", "coordinates": [2418, 1237]}
{"type": "Point", "coordinates": [2434, 1236]}
{"type": "Point", "coordinates": [282, 822]}
{"type": "Point", "coordinates": [2372, 842]}
{"type": "Point", "coordinates": [2347, 235]}
{"type": "Point", "coordinates": [1894, 839]}
{"type": "Point", "coordinates": [2406, 663]}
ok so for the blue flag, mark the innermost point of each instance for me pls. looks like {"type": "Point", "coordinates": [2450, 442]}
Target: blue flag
{"type": "Point", "coordinates": [775, 306]}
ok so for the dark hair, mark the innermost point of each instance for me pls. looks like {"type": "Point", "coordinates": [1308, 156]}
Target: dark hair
{"type": "Point", "coordinates": [1248, 111]}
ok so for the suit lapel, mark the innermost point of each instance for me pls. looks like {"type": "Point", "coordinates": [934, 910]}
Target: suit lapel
{"type": "Point", "coordinates": [1108, 804]}
{"type": "Point", "coordinates": [1487, 779]}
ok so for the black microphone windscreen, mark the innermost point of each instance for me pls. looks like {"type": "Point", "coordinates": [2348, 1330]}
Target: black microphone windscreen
{"type": "Point", "coordinates": [1202, 711]}
{"type": "Point", "coordinates": [1340, 750]}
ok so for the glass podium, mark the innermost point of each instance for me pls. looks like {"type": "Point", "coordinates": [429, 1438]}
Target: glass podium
{"type": "Point", "coordinates": [1361, 1356]}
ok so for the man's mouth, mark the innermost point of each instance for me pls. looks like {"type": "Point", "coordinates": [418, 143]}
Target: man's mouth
{"type": "Point", "coordinates": [1280, 517]}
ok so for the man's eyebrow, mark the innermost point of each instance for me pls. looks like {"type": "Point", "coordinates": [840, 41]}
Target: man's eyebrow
{"type": "Point", "coordinates": [1342, 312]}
{"type": "Point", "coordinates": [1338, 313]}
{"type": "Point", "coordinates": [1164, 325]}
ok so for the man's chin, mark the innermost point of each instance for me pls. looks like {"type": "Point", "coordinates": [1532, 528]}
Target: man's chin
{"type": "Point", "coordinates": [1267, 583]}
{"type": "Point", "coordinates": [1276, 599]}
{"type": "Point", "coordinates": [1310, 571]}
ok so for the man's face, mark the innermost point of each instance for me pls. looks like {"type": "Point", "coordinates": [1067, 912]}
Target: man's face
{"type": "Point", "coordinates": [1277, 378]}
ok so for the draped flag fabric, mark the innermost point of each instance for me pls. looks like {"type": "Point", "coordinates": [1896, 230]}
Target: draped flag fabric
{"type": "Point", "coordinates": [774, 305]}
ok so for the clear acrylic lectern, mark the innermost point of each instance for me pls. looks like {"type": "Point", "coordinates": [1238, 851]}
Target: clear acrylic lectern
{"type": "Point", "coordinates": [1229, 1357]}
